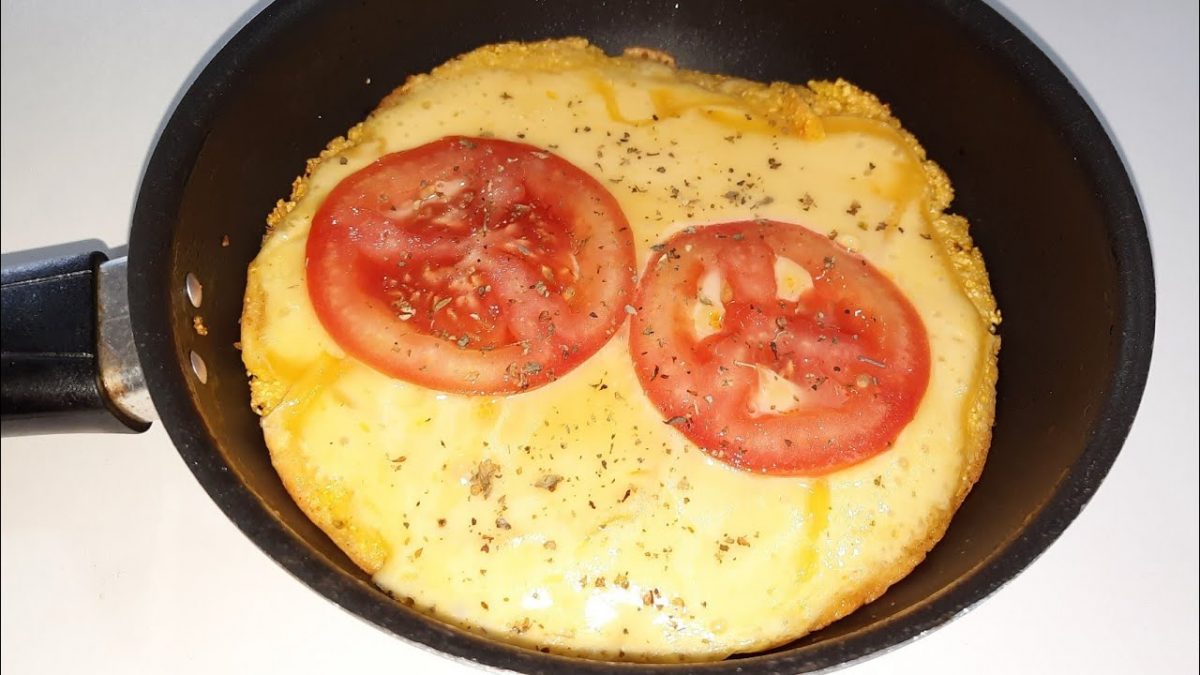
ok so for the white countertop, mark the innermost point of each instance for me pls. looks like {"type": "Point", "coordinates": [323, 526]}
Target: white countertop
{"type": "Point", "coordinates": [115, 560]}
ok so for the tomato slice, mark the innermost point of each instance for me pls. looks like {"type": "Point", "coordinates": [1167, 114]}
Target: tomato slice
{"type": "Point", "coordinates": [471, 265]}
{"type": "Point", "coordinates": [776, 350]}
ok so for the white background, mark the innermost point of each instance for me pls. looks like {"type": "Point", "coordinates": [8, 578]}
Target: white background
{"type": "Point", "coordinates": [115, 560]}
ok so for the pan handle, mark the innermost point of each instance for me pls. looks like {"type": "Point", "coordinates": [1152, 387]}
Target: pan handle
{"type": "Point", "coordinates": [67, 357]}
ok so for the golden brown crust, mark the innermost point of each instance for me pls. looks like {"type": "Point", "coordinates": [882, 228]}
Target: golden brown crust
{"type": "Point", "coordinates": [266, 388]}
{"type": "Point", "coordinates": [789, 109]}
{"type": "Point", "coordinates": [648, 54]}
{"type": "Point", "coordinates": [326, 501]}
{"type": "Point", "coordinates": [300, 185]}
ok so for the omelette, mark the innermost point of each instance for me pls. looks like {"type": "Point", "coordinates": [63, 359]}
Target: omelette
{"type": "Point", "coordinates": [603, 357]}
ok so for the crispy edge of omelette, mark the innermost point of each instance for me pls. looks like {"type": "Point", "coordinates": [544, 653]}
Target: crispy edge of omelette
{"type": "Point", "coordinates": [792, 109]}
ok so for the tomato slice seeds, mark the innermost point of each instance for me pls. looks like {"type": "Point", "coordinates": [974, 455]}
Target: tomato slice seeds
{"type": "Point", "coordinates": [807, 360]}
{"type": "Point", "coordinates": [471, 265]}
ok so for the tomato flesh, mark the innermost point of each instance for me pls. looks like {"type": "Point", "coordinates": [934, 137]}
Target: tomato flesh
{"type": "Point", "coordinates": [783, 385]}
{"type": "Point", "coordinates": [471, 265]}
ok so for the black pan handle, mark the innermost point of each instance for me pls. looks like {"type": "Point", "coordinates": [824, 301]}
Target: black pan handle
{"type": "Point", "coordinates": [65, 346]}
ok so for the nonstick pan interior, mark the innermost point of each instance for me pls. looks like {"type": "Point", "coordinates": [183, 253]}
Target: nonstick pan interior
{"type": "Point", "coordinates": [1048, 199]}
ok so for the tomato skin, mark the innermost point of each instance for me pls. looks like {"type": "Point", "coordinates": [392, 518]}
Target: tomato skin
{"type": "Point", "coordinates": [470, 265]}
{"type": "Point", "coordinates": [851, 348]}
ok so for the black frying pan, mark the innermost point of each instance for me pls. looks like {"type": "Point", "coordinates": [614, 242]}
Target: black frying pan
{"type": "Point", "coordinates": [1048, 198]}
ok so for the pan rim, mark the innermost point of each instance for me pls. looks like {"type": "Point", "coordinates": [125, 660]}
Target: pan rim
{"type": "Point", "coordinates": [164, 183]}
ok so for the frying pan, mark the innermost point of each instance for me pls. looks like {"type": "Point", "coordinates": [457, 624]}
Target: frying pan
{"type": "Point", "coordinates": [1034, 171]}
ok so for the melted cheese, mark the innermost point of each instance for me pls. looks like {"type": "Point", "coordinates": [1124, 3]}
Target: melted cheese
{"type": "Point", "coordinates": [571, 517]}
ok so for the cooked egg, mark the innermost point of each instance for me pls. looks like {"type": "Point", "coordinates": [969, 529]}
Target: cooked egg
{"type": "Point", "coordinates": [570, 517]}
